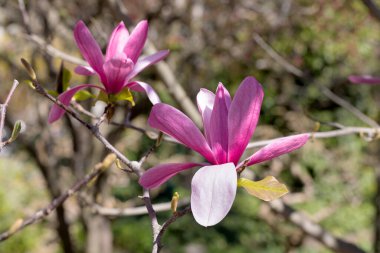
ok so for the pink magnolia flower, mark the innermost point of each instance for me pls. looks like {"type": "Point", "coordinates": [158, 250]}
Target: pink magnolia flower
{"type": "Point", "coordinates": [228, 127]}
{"type": "Point", "coordinates": [366, 79]}
{"type": "Point", "coordinates": [116, 69]}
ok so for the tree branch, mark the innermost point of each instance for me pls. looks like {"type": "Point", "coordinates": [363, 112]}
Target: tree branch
{"type": "Point", "coordinates": [374, 10]}
{"type": "Point", "coordinates": [3, 111]}
{"type": "Point", "coordinates": [37, 216]}
{"type": "Point", "coordinates": [313, 229]}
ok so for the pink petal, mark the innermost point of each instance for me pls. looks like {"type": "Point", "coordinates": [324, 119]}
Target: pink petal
{"type": "Point", "coordinates": [145, 62]}
{"type": "Point", "coordinates": [205, 100]}
{"type": "Point", "coordinates": [144, 87]}
{"type": "Point", "coordinates": [56, 112]}
{"type": "Point", "coordinates": [117, 41]}
{"type": "Point", "coordinates": [158, 175]}
{"type": "Point", "coordinates": [243, 116]}
{"type": "Point", "coordinates": [89, 48]}
{"type": "Point", "coordinates": [136, 41]}
{"type": "Point", "coordinates": [227, 96]}
{"type": "Point", "coordinates": [219, 126]}
{"type": "Point", "coordinates": [213, 191]}
{"type": "Point", "coordinates": [84, 70]}
{"type": "Point", "coordinates": [278, 147]}
{"type": "Point", "coordinates": [176, 124]}
{"type": "Point", "coordinates": [116, 71]}
{"type": "Point", "coordinates": [367, 79]}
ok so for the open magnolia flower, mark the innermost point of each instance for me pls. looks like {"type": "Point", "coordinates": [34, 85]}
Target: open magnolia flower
{"type": "Point", "coordinates": [228, 127]}
{"type": "Point", "coordinates": [365, 79]}
{"type": "Point", "coordinates": [115, 70]}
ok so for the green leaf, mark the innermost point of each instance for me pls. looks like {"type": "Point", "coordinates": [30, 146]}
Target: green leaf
{"type": "Point", "coordinates": [83, 95]}
{"type": "Point", "coordinates": [17, 129]}
{"type": "Point", "coordinates": [123, 95]}
{"type": "Point", "coordinates": [267, 189]}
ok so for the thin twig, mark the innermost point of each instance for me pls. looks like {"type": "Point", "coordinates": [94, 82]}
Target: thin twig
{"type": "Point", "coordinates": [371, 133]}
{"type": "Point", "coordinates": [54, 52]}
{"type": "Point", "coordinates": [276, 56]}
{"type": "Point", "coordinates": [37, 216]}
{"type": "Point", "coordinates": [3, 111]}
{"type": "Point", "coordinates": [349, 107]}
{"type": "Point", "coordinates": [93, 129]}
{"type": "Point", "coordinates": [134, 211]}
{"type": "Point", "coordinates": [164, 227]}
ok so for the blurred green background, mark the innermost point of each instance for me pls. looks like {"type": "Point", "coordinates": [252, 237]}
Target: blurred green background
{"type": "Point", "coordinates": [332, 181]}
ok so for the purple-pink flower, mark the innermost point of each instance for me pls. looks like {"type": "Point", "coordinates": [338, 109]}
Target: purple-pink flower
{"type": "Point", "coordinates": [228, 127]}
{"type": "Point", "coordinates": [116, 69]}
{"type": "Point", "coordinates": [365, 79]}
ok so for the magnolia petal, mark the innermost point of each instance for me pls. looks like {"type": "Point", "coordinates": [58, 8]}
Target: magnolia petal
{"type": "Point", "coordinates": [145, 62]}
{"type": "Point", "coordinates": [56, 112]}
{"type": "Point", "coordinates": [85, 71]}
{"type": "Point", "coordinates": [278, 147]}
{"type": "Point", "coordinates": [136, 41]}
{"type": "Point", "coordinates": [213, 191]}
{"type": "Point", "coordinates": [117, 41]}
{"type": "Point", "coordinates": [219, 126]}
{"type": "Point", "coordinates": [243, 116]}
{"type": "Point", "coordinates": [267, 189]}
{"type": "Point", "coordinates": [144, 87]}
{"type": "Point", "coordinates": [116, 71]}
{"type": "Point", "coordinates": [89, 48]}
{"type": "Point", "coordinates": [367, 79]}
{"type": "Point", "coordinates": [176, 124]}
{"type": "Point", "coordinates": [227, 96]}
{"type": "Point", "coordinates": [205, 101]}
{"type": "Point", "coordinates": [158, 175]}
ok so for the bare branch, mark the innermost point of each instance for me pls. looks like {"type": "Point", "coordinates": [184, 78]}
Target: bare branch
{"type": "Point", "coordinates": [3, 111]}
{"type": "Point", "coordinates": [134, 211]}
{"type": "Point", "coordinates": [37, 216]}
{"type": "Point", "coordinates": [349, 107]}
{"type": "Point", "coordinates": [313, 229]}
{"type": "Point", "coordinates": [369, 133]}
{"type": "Point", "coordinates": [374, 10]}
{"type": "Point", "coordinates": [157, 240]}
{"type": "Point", "coordinates": [276, 56]}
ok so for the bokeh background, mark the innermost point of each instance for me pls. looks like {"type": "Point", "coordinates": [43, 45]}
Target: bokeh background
{"type": "Point", "coordinates": [332, 181]}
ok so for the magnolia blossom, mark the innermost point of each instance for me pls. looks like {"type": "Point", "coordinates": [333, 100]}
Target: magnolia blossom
{"type": "Point", "coordinates": [366, 79]}
{"type": "Point", "coordinates": [115, 70]}
{"type": "Point", "coordinates": [228, 127]}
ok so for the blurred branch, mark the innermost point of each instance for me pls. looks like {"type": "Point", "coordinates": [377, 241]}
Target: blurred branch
{"type": "Point", "coordinates": [368, 133]}
{"type": "Point", "coordinates": [133, 211]}
{"type": "Point", "coordinates": [276, 56]}
{"type": "Point", "coordinates": [21, 224]}
{"type": "Point", "coordinates": [349, 107]}
{"type": "Point", "coordinates": [313, 229]}
{"type": "Point", "coordinates": [374, 10]}
{"type": "Point", "coordinates": [54, 52]}
{"type": "Point", "coordinates": [175, 88]}
{"type": "Point", "coordinates": [3, 111]}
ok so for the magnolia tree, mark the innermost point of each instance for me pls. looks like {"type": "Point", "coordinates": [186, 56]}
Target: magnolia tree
{"type": "Point", "coordinates": [219, 128]}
